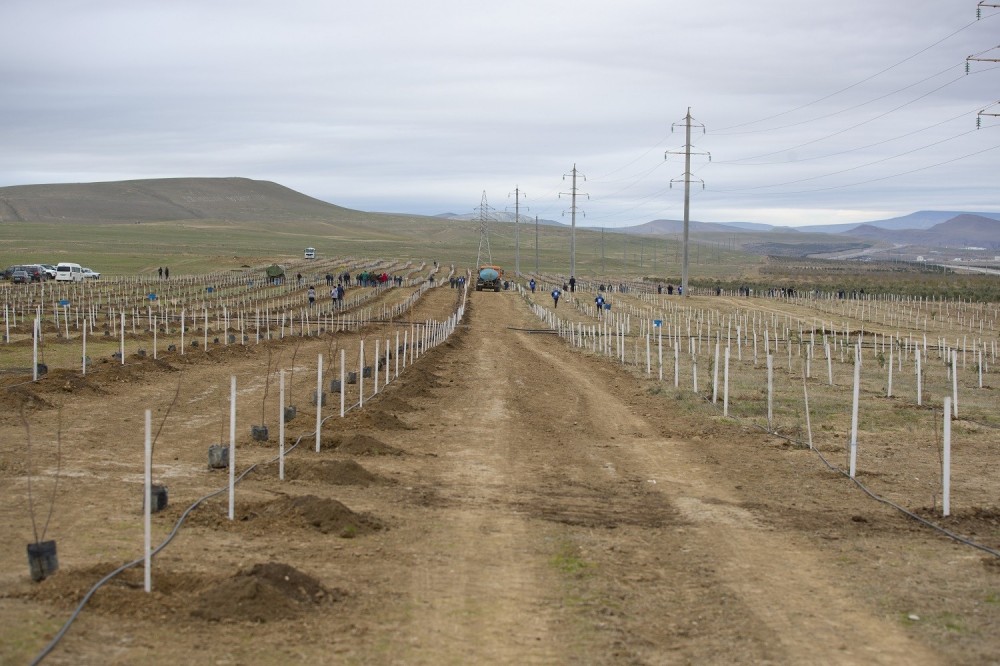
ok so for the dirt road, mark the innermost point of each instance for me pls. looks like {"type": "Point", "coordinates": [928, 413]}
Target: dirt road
{"type": "Point", "coordinates": [507, 500]}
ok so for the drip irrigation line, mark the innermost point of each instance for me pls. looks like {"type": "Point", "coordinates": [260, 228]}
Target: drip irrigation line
{"type": "Point", "coordinates": [180, 521]}
{"type": "Point", "coordinates": [532, 330]}
{"type": "Point", "coordinates": [878, 498]}
{"type": "Point", "coordinates": [177, 526]}
{"type": "Point", "coordinates": [872, 494]}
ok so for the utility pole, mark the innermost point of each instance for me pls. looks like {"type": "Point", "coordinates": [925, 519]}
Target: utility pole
{"type": "Point", "coordinates": [979, 58]}
{"type": "Point", "coordinates": [687, 190]}
{"type": "Point", "coordinates": [517, 235]}
{"type": "Point", "coordinates": [572, 237]}
{"type": "Point", "coordinates": [484, 232]}
{"type": "Point", "coordinates": [602, 251]}
{"type": "Point", "coordinates": [536, 245]}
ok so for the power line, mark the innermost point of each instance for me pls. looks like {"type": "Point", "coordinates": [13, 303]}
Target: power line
{"type": "Point", "coordinates": [895, 175]}
{"type": "Point", "coordinates": [858, 83]}
{"type": "Point", "coordinates": [859, 166]}
{"type": "Point", "coordinates": [847, 151]}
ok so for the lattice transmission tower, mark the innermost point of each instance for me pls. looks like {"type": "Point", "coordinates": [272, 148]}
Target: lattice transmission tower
{"type": "Point", "coordinates": [485, 215]}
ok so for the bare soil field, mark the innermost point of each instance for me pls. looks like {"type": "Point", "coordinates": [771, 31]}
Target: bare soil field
{"type": "Point", "coordinates": [506, 499]}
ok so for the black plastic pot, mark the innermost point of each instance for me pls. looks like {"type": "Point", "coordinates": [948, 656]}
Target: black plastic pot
{"type": "Point", "coordinates": [218, 456]}
{"type": "Point", "coordinates": [366, 372]}
{"type": "Point", "coordinates": [335, 386]}
{"type": "Point", "coordinates": [290, 412]}
{"type": "Point", "coordinates": [352, 378]}
{"type": "Point", "coordinates": [157, 498]}
{"type": "Point", "coordinates": [258, 433]}
{"type": "Point", "coordinates": [42, 560]}
{"type": "Point", "coordinates": [322, 399]}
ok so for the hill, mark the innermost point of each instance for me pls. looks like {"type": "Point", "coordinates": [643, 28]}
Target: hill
{"type": "Point", "coordinates": [964, 230]}
{"type": "Point", "coordinates": [160, 200]}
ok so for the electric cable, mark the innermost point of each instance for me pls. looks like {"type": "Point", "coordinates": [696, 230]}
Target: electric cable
{"type": "Point", "coordinates": [858, 83]}
{"type": "Point", "coordinates": [177, 526]}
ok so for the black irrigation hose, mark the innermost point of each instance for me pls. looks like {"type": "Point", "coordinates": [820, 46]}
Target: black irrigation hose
{"type": "Point", "coordinates": [177, 526]}
{"type": "Point", "coordinates": [533, 330]}
{"type": "Point", "coordinates": [865, 489]}
{"type": "Point", "coordinates": [873, 495]}
{"type": "Point", "coordinates": [180, 521]}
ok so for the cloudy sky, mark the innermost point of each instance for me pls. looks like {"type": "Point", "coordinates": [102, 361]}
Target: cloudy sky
{"type": "Point", "coordinates": [812, 112]}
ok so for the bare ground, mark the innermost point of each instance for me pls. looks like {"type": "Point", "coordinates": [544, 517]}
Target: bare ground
{"type": "Point", "coordinates": [508, 501]}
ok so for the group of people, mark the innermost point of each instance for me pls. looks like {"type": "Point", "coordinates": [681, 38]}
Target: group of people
{"type": "Point", "coordinates": [336, 295]}
{"type": "Point", "coordinates": [163, 272]}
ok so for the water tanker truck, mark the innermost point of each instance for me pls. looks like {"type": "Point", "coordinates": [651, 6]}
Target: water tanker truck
{"type": "Point", "coordinates": [489, 277]}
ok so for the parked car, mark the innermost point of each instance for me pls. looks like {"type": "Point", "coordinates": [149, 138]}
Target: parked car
{"type": "Point", "coordinates": [8, 272]}
{"type": "Point", "coordinates": [69, 272]}
{"type": "Point", "coordinates": [19, 275]}
{"type": "Point", "coordinates": [90, 273]}
{"type": "Point", "coordinates": [36, 272]}
{"type": "Point", "coordinates": [50, 271]}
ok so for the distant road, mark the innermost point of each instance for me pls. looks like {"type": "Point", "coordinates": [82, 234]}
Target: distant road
{"type": "Point", "coordinates": [971, 269]}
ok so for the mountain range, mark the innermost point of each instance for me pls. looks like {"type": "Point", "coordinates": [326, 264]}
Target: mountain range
{"type": "Point", "coordinates": [243, 199]}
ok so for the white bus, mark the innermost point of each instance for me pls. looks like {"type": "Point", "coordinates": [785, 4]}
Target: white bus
{"type": "Point", "coordinates": [69, 272]}
{"type": "Point", "coordinates": [310, 253]}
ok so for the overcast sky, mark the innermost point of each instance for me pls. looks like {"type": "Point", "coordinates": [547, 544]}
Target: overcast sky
{"type": "Point", "coordinates": [814, 112]}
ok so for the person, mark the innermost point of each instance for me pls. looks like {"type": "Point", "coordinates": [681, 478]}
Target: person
{"type": "Point", "coordinates": [659, 289]}
{"type": "Point", "coordinates": [555, 297]}
{"type": "Point", "coordinates": [329, 279]}
{"type": "Point", "coordinates": [298, 279]}
{"type": "Point", "coordinates": [311, 293]}
{"type": "Point", "coordinates": [599, 302]}
{"type": "Point", "coordinates": [166, 273]}
{"type": "Point", "coordinates": [572, 283]}
{"type": "Point", "coordinates": [670, 290]}
{"type": "Point", "coordinates": [532, 285]}
{"type": "Point", "coordinates": [334, 295]}
{"type": "Point", "coordinates": [160, 270]}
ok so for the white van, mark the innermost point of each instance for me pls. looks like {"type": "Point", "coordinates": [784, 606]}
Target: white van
{"type": "Point", "coordinates": [310, 253]}
{"type": "Point", "coordinates": [66, 272]}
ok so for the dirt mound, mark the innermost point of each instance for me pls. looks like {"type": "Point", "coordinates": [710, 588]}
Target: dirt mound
{"type": "Point", "coordinates": [360, 444]}
{"type": "Point", "coordinates": [12, 397]}
{"type": "Point", "coordinates": [263, 593]}
{"type": "Point", "coordinates": [325, 515]}
{"type": "Point", "coordinates": [395, 404]}
{"type": "Point", "coordinates": [981, 524]}
{"type": "Point", "coordinates": [68, 381]}
{"type": "Point", "coordinates": [379, 419]}
{"type": "Point", "coordinates": [286, 515]}
{"type": "Point", "coordinates": [122, 595]}
{"type": "Point", "coordinates": [336, 472]}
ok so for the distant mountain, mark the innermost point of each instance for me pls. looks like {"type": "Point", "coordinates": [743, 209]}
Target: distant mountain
{"type": "Point", "coordinates": [498, 216]}
{"type": "Point", "coordinates": [161, 199]}
{"type": "Point", "coordinates": [963, 230]}
{"type": "Point", "coordinates": [661, 227]}
{"type": "Point", "coordinates": [924, 219]}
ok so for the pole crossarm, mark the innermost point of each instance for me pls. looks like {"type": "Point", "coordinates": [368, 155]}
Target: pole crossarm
{"type": "Point", "coordinates": [983, 4]}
